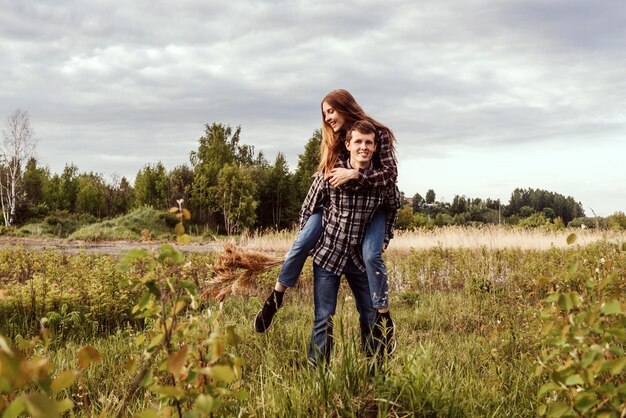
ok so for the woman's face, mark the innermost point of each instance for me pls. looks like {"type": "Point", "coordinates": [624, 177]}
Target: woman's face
{"type": "Point", "coordinates": [332, 117]}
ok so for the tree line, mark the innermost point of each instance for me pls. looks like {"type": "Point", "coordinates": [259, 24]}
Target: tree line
{"type": "Point", "coordinates": [230, 187]}
{"type": "Point", "coordinates": [526, 207]}
{"type": "Point", "coordinates": [227, 185]}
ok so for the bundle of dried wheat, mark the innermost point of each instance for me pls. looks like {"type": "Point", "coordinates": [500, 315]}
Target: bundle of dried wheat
{"type": "Point", "coordinates": [236, 269]}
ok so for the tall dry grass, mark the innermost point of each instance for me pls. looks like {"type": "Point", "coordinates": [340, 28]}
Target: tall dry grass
{"type": "Point", "coordinates": [491, 237]}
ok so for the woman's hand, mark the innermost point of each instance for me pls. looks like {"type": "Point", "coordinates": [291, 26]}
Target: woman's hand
{"type": "Point", "coordinates": [339, 176]}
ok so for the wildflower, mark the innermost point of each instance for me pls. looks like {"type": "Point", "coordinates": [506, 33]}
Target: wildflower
{"type": "Point", "coordinates": [602, 261]}
{"type": "Point", "coordinates": [597, 270]}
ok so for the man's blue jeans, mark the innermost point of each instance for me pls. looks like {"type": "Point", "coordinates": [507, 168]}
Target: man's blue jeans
{"type": "Point", "coordinates": [325, 290]}
{"type": "Point", "coordinates": [372, 255]}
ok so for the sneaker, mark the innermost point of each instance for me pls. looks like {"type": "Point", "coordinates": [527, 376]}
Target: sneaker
{"type": "Point", "coordinates": [385, 333]}
{"type": "Point", "coordinates": [264, 318]}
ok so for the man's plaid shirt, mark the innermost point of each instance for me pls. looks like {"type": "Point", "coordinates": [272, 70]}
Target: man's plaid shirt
{"type": "Point", "coordinates": [346, 214]}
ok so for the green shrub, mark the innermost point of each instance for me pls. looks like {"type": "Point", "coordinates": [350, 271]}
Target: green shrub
{"type": "Point", "coordinates": [617, 221]}
{"type": "Point", "coordinates": [584, 340]}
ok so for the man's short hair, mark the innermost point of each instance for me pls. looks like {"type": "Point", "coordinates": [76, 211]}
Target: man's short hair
{"type": "Point", "coordinates": [363, 126]}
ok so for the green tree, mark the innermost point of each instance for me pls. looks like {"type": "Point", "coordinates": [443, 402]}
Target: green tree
{"type": "Point", "coordinates": [307, 166]}
{"type": "Point", "coordinates": [69, 187]}
{"type": "Point", "coordinates": [180, 184]}
{"type": "Point", "coordinates": [417, 203]}
{"type": "Point", "coordinates": [90, 197]}
{"type": "Point", "coordinates": [405, 218]}
{"type": "Point", "coordinates": [218, 147]}
{"type": "Point", "coordinates": [152, 187]}
{"type": "Point", "coordinates": [276, 195]}
{"type": "Point", "coordinates": [118, 196]}
{"type": "Point", "coordinates": [430, 196]}
{"type": "Point", "coordinates": [236, 191]}
{"type": "Point", "coordinates": [617, 221]}
{"type": "Point", "coordinates": [35, 184]}
{"type": "Point", "coordinates": [459, 205]}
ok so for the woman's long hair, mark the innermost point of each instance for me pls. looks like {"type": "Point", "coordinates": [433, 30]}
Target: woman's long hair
{"type": "Point", "coordinates": [332, 142]}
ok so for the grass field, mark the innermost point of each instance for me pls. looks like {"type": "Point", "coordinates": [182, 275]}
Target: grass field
{"type": "Point", "coordinates": [467, 305]}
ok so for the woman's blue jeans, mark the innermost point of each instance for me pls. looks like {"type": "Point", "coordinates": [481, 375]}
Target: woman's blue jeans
{"type": "Point", "coordinates": [372, 255]}
{"type": "Point", "coordinates": [325, 290]}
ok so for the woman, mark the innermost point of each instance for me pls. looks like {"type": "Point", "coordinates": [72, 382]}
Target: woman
{"type": "Point", "coordinates": [339, 111]}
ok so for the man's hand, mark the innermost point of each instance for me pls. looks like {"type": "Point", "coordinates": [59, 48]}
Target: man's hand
{"type": "Point", "coordinates": [339, 176]}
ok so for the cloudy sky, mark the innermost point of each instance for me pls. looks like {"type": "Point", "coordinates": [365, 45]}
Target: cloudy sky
{"type": "Point", "coordinates": [483, 96]}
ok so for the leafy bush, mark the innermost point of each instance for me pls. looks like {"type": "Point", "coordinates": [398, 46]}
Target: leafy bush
{"type": "Point", "coordinates": [593, 222]}
{"type": "Point", "coordinates": [536, 220]}
{"type": "Point", "coordinates": [617, 221]}
{"type": "Point", "coordinates": [585, 337]}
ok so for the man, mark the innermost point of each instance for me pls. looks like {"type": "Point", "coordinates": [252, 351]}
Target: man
{"type": "Point", "coordinates": [346, 215]}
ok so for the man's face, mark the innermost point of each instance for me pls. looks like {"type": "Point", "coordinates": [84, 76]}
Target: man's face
{"type": "Point", "coordinates": [361, 147]}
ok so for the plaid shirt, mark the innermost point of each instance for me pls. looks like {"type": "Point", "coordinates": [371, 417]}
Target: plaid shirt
{"type": "Point", "coordinates": [382, 172]}
{"type": "Point", "coordinates": [346, 214]}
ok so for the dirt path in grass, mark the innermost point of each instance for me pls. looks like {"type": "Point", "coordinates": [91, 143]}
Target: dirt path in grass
{"type": "Point", "coordinates": [105, 247]}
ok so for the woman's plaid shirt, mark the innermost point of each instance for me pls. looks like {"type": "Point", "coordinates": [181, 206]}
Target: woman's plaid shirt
{"type": "Point", "coordinates": [346, 214]}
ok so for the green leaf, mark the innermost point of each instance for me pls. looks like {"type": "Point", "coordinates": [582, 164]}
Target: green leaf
{"type": "Point", "coordinates": [571, 238]}
{"type": "Point", "coordinates": [179, 229]}
{"type": "Point", "coordinates": [180, 305]}
{"type": "Point", "coordinates": [552, 297]}
{"type": "Point", "coordinates": [541, 409]}
{"type": "Point", "coordinates": [618, 365]}
{"type": "Point", "coordinates": [14, 409]}
{"type": "Point", "coordinates": [205, 404]}
{"type": "Point", "coordinates": [558, 409]}
{"type": "Point", "coordinates": [156, 340]}
{"type": "Point", "coordinates": [5, 385]}
{"type": "Point", "coordinates": [183, 239]}
{"type": "Point", "coordinates": [565, 302]}
{"type": "Point", "coordinates": [584, 402]}
{"type": "Point", "coordinates": [231, 336]}
{"type": "Point", "coordinates": [574, 379]}
{"type": "Point", "coordinates": [63, 381]}
{"type": "Point", "coordinates": [223, 373]}
{"type": "Point", "coordinates": [87, 355]}
{"type": "Point", "coordinates": [617, 332]}
{"type": "Point", "coordinates": [153, 289]}
{"type": "Point", "coordinates": [186, 214]}
{"type": "Point", "coordinates": [171, 391]}
{"type": "Point", "coordinates": [588, 358]}
{"type": "Point", "coordinates": [133, 255]}
{"type": "Point", "coordinates": [148, 413]}
{"type": "Point", "coordinates": [65, 405]}
{"type": "Point", "coordinates": [143, 301]}
{"type": "Point", "coordinates": [572, 268]}
{"type": "Point", "coordinates": [613, 307]}
{"type": "Point", "coordinates": [167, 251]}
{"type": "Point", "coordinates": [39, 406]}
{"type": "Point", "coordinates": [146, 379]}
{"type": "Point", "coordinates": [173, 209]}
{"type": "Point", "coordinates": [242, 395]}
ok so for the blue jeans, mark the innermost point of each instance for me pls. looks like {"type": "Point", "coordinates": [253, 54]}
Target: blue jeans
{"type": "Point", "coordinates": [372, 255]}
{"type": "Point", "coordinates": [325, 290]}
{"type": "Point", "coordinates": [302, 246]}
